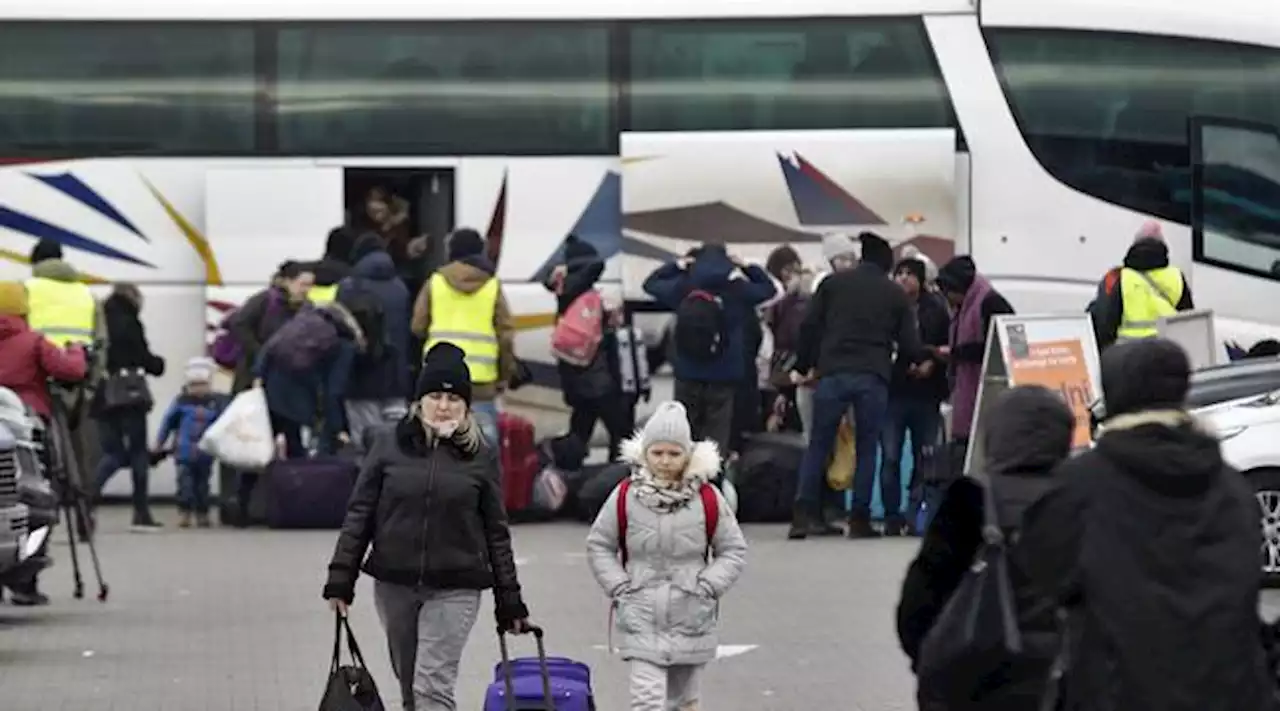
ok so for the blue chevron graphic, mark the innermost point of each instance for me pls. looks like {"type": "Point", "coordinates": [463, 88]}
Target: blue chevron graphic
{"type": "Point", "coordinates": [599, 225]}
{"type": "Point", "coordinates": [35, 227]}
{"type": "Point", "coordinates": [75, 188]}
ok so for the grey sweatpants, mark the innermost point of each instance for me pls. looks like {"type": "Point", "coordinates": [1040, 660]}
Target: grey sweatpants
{"type": "Point", "coordinates": [426, 632]}
{"type": "Point", "coordinates": [657, 688]}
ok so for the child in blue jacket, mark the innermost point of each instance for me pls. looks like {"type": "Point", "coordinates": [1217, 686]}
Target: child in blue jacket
{"type": "Point", "coordinates": [188, 417]}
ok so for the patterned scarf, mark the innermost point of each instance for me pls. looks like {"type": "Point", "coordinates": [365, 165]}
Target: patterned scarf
{"type": "Point", "coordinates": [662, 495]}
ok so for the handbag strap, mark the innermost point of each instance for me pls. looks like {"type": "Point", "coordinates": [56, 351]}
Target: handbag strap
{"type": "Point", "coordinates": [1164, 295]}
{"type": "Point", "coordinates": [992, 533]}
{"type": "Point", "coordinates": [342, 625]}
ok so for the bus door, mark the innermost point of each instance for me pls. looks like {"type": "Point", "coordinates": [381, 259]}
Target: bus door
{"type": "Point", "coordinates": [1235, 221]}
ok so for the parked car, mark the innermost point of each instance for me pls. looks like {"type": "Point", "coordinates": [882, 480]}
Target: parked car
{"type": "Point", "coordinates": [34, 490]}
{"type": "Point", "coordinates": [13, 513]}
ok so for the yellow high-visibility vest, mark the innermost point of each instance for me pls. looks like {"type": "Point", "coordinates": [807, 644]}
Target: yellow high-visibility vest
{"type": "Point", "coordinates": [1146, 300]}
{"type": "Point", "coordinates": [63, 311]}
{"type": "Point", "coordinates": [321, 295]}
{"type": "Point", "coordinates": [466, 321]}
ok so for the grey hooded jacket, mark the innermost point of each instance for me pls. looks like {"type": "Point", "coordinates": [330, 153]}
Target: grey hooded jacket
{"type": "Point", "coordinates": [666, 601]}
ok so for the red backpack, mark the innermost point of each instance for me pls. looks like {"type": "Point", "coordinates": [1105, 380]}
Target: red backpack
{"type": "Point", "coordinates": [577, 335]}
{"type": "Point", "coordinates": [710, 511]}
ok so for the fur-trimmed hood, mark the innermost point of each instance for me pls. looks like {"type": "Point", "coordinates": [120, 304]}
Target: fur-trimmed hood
{"type": "Point", "coordinates": [704, 460]}
{"type": "Point", "coordinates": [1168, 451]}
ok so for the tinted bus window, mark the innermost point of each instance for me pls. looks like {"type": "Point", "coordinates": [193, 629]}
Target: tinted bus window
{"type": "Point", "coordinates": [811, 74]}
{"type": "Point", "coordinates": [445, 89]}
{"type": "Point", "coordinates": [79, 90]}
{"type": "Point", "coordinates": [1108, 114]}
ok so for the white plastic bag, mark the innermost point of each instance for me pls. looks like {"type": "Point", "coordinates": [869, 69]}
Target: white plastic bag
{"type": "Point", "coordinates": [242, 436]}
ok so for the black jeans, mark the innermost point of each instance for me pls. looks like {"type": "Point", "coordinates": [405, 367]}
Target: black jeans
{"type": "Point", "coordinates": [618, 412]}
{"type": "Point", "coordinates": [710, 407]}
{"type": "Point", "coordinates": [124, 444]}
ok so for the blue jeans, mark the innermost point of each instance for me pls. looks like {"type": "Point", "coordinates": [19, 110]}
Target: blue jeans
{"type": "Point", "coordinates": [124, 444]}
{"type": "Point", "coordinates": [868, 395]}
{"type": "Point", "coordinates": [193, 485]}
{"type": "Point", "coordinates": [486, 416]}
{"type": "Point", "coordinates": [922, 418]}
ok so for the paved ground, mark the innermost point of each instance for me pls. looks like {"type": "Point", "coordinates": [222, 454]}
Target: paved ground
{"type": "Point", "coordinates": [229, 620]}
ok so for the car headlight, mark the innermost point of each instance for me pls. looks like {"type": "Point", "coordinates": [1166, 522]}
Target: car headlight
{"type": "Point", "coordinates": [1227, 433]}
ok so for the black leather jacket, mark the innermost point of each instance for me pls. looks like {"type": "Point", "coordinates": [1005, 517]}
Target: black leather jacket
{"type": "Point", "coordinates": [433, 513]}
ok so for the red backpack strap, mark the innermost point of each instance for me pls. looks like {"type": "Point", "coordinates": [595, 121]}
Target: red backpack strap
{"type": "Point", "coordinates": [623, 488]}
{"type": "Point", "coordinates": [710, 514]}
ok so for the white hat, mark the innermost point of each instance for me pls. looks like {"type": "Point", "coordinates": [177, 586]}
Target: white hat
{"type": "Point", "coordinates": [669, 424]}
{"type": "Point", "coordinates": [200, 370]}
{"type": "Point", "coordinates": [838, 244]}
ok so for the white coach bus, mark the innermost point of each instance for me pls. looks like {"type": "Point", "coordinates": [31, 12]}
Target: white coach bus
{"type": "Point", "coordinates": [192, 146]}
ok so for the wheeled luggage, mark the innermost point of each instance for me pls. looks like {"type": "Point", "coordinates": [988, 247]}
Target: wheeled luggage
{"type": "Point", "coordinates": [310, 492]}
{"type": "Point", "coordinates": [538, 684]}
{"type": "Point", "coordinates": [520, 462]}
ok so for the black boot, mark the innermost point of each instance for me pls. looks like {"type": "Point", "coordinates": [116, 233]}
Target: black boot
{"type": "Point", "coordinates": [801, 524]}
{"type": "Point", "coordinates": [27, 595]}
{"type": "Point", "coordinates": [895, 526]}
{"type": "Point", "coordinates": [860, 527]}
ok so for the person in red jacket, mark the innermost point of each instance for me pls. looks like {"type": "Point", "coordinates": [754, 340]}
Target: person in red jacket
{"type": "Point", "coordinates": [27, 362]}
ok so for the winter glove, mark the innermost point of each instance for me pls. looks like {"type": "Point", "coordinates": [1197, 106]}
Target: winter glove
{"type": "Point", "coordinates": [509, 609]}
{"type": "Point", "coordinates": [339, 591]}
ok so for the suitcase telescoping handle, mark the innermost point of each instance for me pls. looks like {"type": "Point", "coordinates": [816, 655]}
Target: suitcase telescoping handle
{"type": "Point", "coordinates": [508, 682]}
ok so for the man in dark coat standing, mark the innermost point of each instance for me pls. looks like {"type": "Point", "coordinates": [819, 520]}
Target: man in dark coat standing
{"type": "Point", "coordinates": [1151, 542]}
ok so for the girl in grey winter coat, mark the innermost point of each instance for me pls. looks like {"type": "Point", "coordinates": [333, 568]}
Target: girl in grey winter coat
{"type": "Point", "coordinates": [667, 596]}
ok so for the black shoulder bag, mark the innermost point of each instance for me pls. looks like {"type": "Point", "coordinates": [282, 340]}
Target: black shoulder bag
{"type": "Point", "coordinates": [977, 631]}
{"type": "Point", "coordinates": [350, 688]}
{"type": "Point", "coordinates": [126, 389]}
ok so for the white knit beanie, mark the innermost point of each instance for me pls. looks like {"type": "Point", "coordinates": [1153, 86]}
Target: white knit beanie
{"type": "Point", "coordinates": [838, 244]}
{"type": "Point", "coordinates": [200, 370]}
{"type": "Point", "coordinates": [669, 424]}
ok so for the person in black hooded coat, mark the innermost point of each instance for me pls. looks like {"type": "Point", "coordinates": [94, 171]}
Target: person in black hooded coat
{"type": "Point", "coordinates": [1151, 542]}
{"type": "Point", "coordinates": [379, 381]}
{"type": "Point", "coordinates": [591, 391]}
{"type": "Point", "coordinates": [1027, 433]}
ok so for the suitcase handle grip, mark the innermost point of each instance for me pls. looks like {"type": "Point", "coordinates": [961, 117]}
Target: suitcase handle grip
{"type": "Point", "coordinates": [509, 684]}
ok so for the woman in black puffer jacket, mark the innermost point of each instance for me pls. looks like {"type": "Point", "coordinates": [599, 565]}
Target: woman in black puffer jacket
{"type": "Point", "coordinates": [429, 501]}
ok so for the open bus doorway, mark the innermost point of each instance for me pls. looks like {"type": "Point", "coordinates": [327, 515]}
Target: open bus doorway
{"type": "Point", "coordinates": [413, 209]}
{"type": "Point", "coordinates": [410, 207]}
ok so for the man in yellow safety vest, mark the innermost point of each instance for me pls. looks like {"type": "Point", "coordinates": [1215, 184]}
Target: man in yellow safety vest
{"type": "Point", "coordinates": [1147, 289]}
{"type": "Point", "coordinates": [62, 307]}
{"type": "Point", "coordinates": [463, 303]}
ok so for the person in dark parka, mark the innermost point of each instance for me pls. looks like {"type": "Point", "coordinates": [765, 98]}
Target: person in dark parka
{"type": "Point", "coordinates": [1151, 542]}
{"type": "Point", "coordinates": [592, 392]}
{"type": "Point", "coordinates": [378, 386]}
{"type": "Point", "coordinates": [1027, 434]}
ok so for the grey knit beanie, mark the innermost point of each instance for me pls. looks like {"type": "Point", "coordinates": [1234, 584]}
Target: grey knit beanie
{"type": "Point", "coordinates": [668, 424]}
{"type": "Point", "coordinates": [838, 244]}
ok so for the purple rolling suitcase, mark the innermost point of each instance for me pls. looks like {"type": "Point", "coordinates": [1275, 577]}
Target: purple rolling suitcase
{"type": "Point", "coordinates": [311, 492]}
{"type": "Point", "coordinates": [541, 684]}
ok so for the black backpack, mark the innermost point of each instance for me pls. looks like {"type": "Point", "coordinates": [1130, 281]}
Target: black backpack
{"type": "Point", "coordinates": [702, 330]}
{"type": "Point", "coordinates": [366, 308]}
